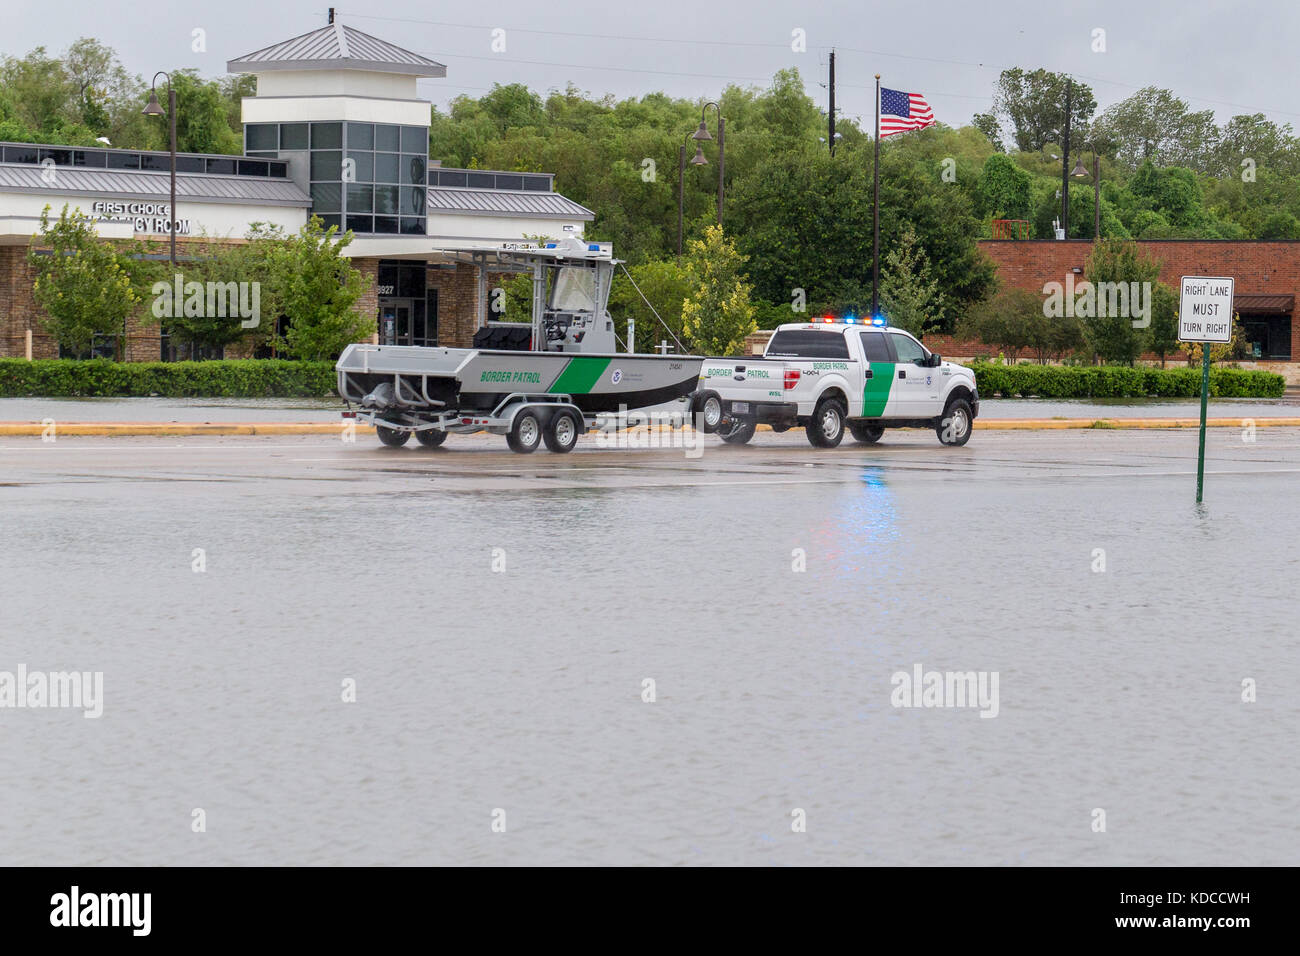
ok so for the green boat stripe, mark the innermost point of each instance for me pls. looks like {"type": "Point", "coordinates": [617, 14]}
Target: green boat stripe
{"type": "Point", "coordinates": [875, 392]}
{"type": "Point", "coordinates": [578, 377]}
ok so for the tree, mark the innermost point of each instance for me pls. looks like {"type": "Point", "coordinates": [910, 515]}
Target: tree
{"type": "Point", "coordinates": [317, 289]}
{"type": "Point", "coordinates": [1115, 338]}
{"type": "Point", "coordinates": [1005, 190]}
{"type": "Point", "coordinates": [718, 315]}
{"type": "Point", "coordinates": [908, 295]}
{"type": "Point", "coordinates": [1164, 321]}
{"type": "Point", "coordinates": [1032, 105]}
{"type": "Point", "coordinates": [1155, 125]}
{"type": "Point", "coordinates": [1012, 320]}
{"type": "Point", "coordinates": [81, 283]}
{"type": "Point", "coordinates": [987, 123]}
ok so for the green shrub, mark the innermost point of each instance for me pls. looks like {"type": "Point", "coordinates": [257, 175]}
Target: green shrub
{"type": "Point", "coordinates": [236, 378]}
{"type": "Point", "coordinates": [1121, 381]}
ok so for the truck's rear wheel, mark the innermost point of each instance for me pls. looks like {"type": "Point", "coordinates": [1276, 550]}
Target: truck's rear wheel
{"type": "Point", "coordinates": [826, 427]}
{"type": "Point", "coordinates": [431, 437]}
{"type": "Point", "coordinates": [392, 437]}
{"type": "Point", "coordinates": [738, 433]}
{"type": "Point", "coordinates": [562, 431]}
{"type": "Point", "coordinates": [954, 425]}
{"type": "Point", "coordinates": [525, 432]}
{"type": "Point", "coordinates": [867, 434]}
{"type": "Point", "coordinates": [709, 405]}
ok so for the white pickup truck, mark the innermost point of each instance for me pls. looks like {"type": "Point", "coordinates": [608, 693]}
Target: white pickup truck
{"type": "Point", "coordinates": [831, 374]}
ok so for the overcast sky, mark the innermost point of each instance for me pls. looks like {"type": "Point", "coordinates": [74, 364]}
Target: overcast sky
{"type": "Point", "coordinates": [1232, 57]}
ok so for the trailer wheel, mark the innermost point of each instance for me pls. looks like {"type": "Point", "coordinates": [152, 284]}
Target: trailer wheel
{"type": "Point", "coordinates": [740, 432]}
{"type": "Point", "coordinates": [392, 437]}
{"type": "Point", "coordinates": [954, 425]}
{"type": "Point", "coordinates": [562, 431]}
{"type": "Point", "coordinates": [525, 433]}
{"type": "Point", "coordinates": [431, 437]}
{"type": "Point", "coordinates": [867, 434]}
{"type": "Point", "coordinates": [709, 404]}
{"type": "Point", "coordinates": [826, 427]}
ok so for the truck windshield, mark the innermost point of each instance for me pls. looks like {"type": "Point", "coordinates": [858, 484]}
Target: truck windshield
{"type": "Point", "coordinates": [807, 343]}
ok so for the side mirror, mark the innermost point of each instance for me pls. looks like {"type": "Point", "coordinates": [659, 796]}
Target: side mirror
{"type": "Point", "coordinates": [935, 360]}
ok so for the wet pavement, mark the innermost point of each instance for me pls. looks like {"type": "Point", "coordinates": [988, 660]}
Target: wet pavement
{"type": "Point", "coordinates": [500, 616]}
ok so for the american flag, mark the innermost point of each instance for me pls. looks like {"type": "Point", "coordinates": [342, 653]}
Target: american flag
{"type": "Point", "coordinates": [900, 112]}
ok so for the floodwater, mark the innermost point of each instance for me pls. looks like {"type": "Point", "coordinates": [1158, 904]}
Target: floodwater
{"type": "Point", "coordinates": [522, 688]}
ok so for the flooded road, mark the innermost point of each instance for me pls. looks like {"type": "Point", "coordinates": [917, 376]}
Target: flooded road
{"type": "Point", "coordinates": [639, 657]}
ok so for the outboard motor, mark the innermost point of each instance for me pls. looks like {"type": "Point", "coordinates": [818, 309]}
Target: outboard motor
{"type": "Point", "coordinates": [382, 397]}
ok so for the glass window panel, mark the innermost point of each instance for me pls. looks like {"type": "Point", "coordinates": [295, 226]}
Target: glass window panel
{"type": "Point", "coordinates": [386, 198]}
{"type": "Point", "coordinates": [412, 201]}
{"type": "Point", "coordinates": [262, 156]}
{"type": "Point", "coordinates": [510, 182]}
{"type": "Point", "coordinates": [361, 223]}
{"type": "Point", "coordinates": [163, 163]}
{"type": "Point", "coordinates": [279, 170]}
{"type": "Point", "coordinates": [361, 198]}
{"type": "Point", "coordinates": [90, 158]}
{"type": "Point", "coordinates": [293, 136]}
{"type": "Point", "coordinates": [61, 157]}
{"type": "Point", "coordinates": [329, 220]}
{"type": "Point", "coordinates": [908, 349]}
{"type": "Point", "coordinates": [327, 166]}
{"type": "Point", "coordinates": [410, 280]}
{"type": "Point", "coordinates": [387, 277]}
{"type": "Point", "coordinates": [388, 139]}
{"type": "Point", "coordinates": [224, 167]}
{"type": "Point", "coordinates": [412, 225]}
{"type": "Point", "coordinates": [30, 154]}
{"type": "Point", "coordinates": [115, 160]}
{"type": "Point", "coordinates": [363, 166]}
{"type": "Point", "coordinates": [413, 169]}
{"type": "Point", "coordinates": [361, 136]}
{"type": "Point", "coordinates": [326, 135]}
{"type": "Point", "coordinates": [326, 197]}
{"type": "Point", "coordinates": [482, 180]}
{"type": "Point", "coordinates": [261, 136]}
{"type": "Point", "coordinates": [457, 178]}
{"type": "Point", "coordinates": [190, 164]}
{"type": "Point", "coordinates": [415, 139]}
{"type": "Point", "coordinates": [386, 167]}
{"type": "Point", "coordinates": [253, 167]}
{"type": "Point", "coordinates": [387, 224]}
{"type": "Point", "coordinates": [538, 183]}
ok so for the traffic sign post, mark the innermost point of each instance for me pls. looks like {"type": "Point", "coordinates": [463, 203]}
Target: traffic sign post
{"type": "Point", "coordinates": [1205, 316]}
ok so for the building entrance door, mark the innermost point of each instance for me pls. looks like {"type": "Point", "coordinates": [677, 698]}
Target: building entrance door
{"type": "Point", "coordinates": [395, 322]}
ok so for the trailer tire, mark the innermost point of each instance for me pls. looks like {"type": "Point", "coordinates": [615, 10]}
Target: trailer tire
{"type": "Point", "coordinates": [708, 404]}
{"type": "Point", "coordinates": [954, 425]}
{"type": "Point", "coordinates": [431, 437]}
{"type": "Point", "coordinates": [525, 432]}
{"type": "Point", "coordinates": [562, 431]}
{"type": "Point", "coordinates": [392, 437]}
{"type": "Point", "coordinates": [740, 432]}
{"type": "Point", "coordinates": [826, 427]}
{"type": "Point", "coordinates": [867, 434]}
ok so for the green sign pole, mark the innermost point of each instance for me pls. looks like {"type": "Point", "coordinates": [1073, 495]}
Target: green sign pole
{"type": "Point", "coordinates": [1205, 394]}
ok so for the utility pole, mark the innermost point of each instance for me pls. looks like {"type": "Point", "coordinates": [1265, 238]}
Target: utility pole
{"type": "Point", "coordinates": [1065, 163]}
{"type": "Point", "coordinates": [830, 135]}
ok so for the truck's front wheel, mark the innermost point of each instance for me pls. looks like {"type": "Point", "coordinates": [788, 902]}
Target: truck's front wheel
{"type": "Point", "coordinates": [955, 425]}
{"type": "Point", "coordinates": [826, 427]}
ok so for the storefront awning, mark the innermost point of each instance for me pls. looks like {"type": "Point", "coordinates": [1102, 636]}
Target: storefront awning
{"type": "Point", "coordinates": [1252, 303]}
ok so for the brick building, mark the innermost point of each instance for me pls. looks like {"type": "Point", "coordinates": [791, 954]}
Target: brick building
{"type": "Point", "coordinates": [336, 130]}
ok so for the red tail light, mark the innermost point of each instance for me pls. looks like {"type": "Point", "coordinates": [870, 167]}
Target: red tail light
{"type": "Point", "coordinates": [791, 378]}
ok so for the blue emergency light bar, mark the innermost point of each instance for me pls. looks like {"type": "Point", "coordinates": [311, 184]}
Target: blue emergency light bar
{"type": "Point", "coordinates": [879, 320]}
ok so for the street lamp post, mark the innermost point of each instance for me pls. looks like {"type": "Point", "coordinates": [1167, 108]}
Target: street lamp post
{"type": "Point", "coordinates": [152, 108]}
{"type": "Point", "coordinates": [697, 160]}
{"type": "Point", "coordinates": [1080, 172]}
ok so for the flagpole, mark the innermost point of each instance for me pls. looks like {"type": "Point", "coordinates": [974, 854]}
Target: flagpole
{"type": "Point", "coordinates": [875, 214]}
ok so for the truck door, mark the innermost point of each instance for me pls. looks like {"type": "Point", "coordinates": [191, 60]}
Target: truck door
{"type": "Point", "coordinates": [878, 374]}
{"type": "Point", "coordinates": [913, 381]}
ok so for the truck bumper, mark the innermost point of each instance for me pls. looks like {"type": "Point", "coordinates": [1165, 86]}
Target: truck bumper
{"type": "Point", "coordinates": [762, 412]}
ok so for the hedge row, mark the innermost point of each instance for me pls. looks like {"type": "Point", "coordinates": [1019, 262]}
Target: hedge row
{"type": "Point", "coordinates": [247, 378]}
{"type": "Point", "coordinates": [1115, 381]}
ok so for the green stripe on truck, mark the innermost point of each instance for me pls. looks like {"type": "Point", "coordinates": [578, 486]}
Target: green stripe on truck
{"type": "Point", "coordinates": [875, 393]}
{"type": "Point", "coordinates": [579, 375]}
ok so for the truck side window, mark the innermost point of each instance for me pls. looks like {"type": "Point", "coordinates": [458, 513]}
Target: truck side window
{"type": "Point", "coordinates": [808, 343]}
{"type": "Point", "coordinates": [908, 349]}
{"type": "Point", "coordinates": [875, 348]}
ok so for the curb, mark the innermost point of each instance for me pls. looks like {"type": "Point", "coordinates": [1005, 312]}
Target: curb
{"type": "Point", "coordinates": [181, 429]}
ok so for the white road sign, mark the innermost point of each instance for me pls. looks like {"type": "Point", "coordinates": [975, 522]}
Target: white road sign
{"type": "Point", "coordinates": [1205, 309]}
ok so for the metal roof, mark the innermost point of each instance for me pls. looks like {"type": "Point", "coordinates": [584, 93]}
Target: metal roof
{"type": "Point", "coordinates": [1261, 302]}
{"type": "Point", "coordinates": [502, 202]}
{"type": "Point", "coordinates": [336, 47]}
{"type": "Point", "coordinates": [113, 183]}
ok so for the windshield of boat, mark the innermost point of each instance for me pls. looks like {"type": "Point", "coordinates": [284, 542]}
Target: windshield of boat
{"type": "Point", "coordinates": [574, 289]}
